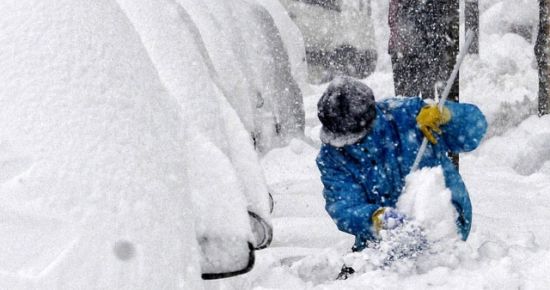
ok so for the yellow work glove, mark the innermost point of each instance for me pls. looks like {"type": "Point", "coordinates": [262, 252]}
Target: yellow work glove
{"type": "Point", "coordinates": [377, 220]}
{"type": "Point", "coordinates": [430, 118]}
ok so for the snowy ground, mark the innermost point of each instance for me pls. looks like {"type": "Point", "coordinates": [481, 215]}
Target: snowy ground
{"type": "Point", "coordinates": [508, 178]}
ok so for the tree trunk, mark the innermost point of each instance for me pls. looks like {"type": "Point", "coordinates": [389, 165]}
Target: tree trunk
{"type": "Point", "coordinates": [542, 52]}
{"type": "Point", "coordinates": [452, 15]}
{"type": "Point", "coordinates": [471, 13]}
{"type": "Point", "coordinates": [424, 44]}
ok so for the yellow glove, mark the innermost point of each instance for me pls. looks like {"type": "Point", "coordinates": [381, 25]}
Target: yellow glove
{"type": "Point", "coordinates": [377, 219]}
{"type": "Point", "coordinates": [430, 118]}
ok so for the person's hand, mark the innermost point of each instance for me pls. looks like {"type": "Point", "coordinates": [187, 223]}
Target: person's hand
{"type": "Point", "coordinates": [386, 218]}
{"type": "Point", "coordinates": [430, 118]}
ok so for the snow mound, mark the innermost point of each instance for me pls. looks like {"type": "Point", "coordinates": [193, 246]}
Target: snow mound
{"type": "Point", "coordinates": [504, 71]}
{"type": "Point", "coordinates": [397, 247]}
{"type": "Point", "coordinates": [427, 201]}
{"type": "Point", "coordinates": [531, 138]}
{"type": "Point", "coordinates": [519, 16]}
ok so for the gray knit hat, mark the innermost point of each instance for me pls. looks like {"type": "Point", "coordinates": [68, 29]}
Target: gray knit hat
{"type": "Point", "coordinates": [346, 110]}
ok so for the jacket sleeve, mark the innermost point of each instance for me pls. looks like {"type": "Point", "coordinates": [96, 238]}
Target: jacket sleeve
{"type": "Point", "coordinates": [466, 128]}
{"type": "Point", "coordinates": [346, 201]}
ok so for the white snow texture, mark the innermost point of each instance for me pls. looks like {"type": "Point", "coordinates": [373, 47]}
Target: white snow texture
{"type": "Point", "coordinates": [427, 201]}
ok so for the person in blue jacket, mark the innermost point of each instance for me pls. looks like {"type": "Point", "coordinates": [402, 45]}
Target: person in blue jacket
{"type": "Point", "coordinates": [369, 147]}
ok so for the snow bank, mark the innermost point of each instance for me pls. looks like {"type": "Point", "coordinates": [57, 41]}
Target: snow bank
{"type": "Point", "coordinates": [530, 138]}
{"type": "Point", "coordinates": [504, 72]}
{"type": "Point", "coordinates": [97, 181]}
{"type": "Point", "coordinates": [519, 16]}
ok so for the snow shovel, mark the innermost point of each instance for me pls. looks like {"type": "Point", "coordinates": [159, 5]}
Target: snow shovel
{"type": "Point", "coordinates": [446, 91]}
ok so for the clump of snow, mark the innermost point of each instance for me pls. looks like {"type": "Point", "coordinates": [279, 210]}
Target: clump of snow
{"type": "Point", "coordinates": [395, 249]}
{"type": "Point", "coordinates": [427, 201]}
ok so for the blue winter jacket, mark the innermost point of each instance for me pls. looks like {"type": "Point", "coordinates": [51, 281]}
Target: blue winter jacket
{"type": "Point", "coordinates": [360, 178]}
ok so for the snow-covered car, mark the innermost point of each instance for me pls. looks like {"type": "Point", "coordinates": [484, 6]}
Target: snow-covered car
{"type": "Point", "coordinates": [232, 183]}
{"type": "Point", "coordinates": [122, 162]}
{"type": "Point", "coordinates": [339, 36]}
{"type": "Point", "coordinates": [253, 67]}
{"type": "Point", "coordinates": [93, 159]}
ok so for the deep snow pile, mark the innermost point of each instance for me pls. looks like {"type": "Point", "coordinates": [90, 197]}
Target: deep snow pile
{"type": "Point", "coordinates": [427, 201]}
